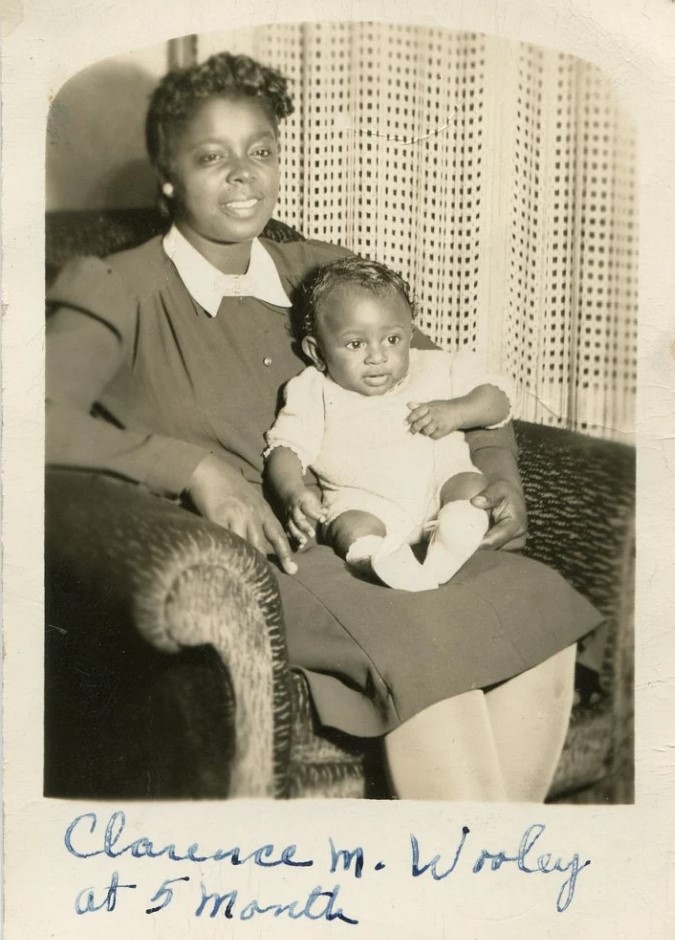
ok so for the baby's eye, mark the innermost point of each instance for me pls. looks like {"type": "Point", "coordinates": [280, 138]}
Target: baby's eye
{"type": "Point", "coordinates": [394, 339]}
{"type": "Point", "coordinates": [354, 344]}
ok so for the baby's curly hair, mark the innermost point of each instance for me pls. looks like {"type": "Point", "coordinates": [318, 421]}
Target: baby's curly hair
{"type": "Point", "coordinates": [360, 272]}
{"type": "Point", "coordinates": [182, 91]}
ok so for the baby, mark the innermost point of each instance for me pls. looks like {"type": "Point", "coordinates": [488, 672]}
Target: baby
{"type": "Point", "coordinates": [380, 424]}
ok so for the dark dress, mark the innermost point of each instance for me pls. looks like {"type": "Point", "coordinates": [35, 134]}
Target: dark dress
{"type": "Point", "coordinates": [170, 384]}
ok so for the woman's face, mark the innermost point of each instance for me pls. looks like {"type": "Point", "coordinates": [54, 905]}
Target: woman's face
{"type": "Point", "coordinates": [225, 172]}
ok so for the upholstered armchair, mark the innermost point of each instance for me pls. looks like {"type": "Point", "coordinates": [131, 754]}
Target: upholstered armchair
{"type": "Point", "coordinates": [166, 672]}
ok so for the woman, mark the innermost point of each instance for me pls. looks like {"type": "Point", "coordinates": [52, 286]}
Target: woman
{"type": "Point", "coordinates": [165, 365]}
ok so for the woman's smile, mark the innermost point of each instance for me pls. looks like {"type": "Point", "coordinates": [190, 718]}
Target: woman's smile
{"type": "Point", "coordinates": [241, 207]}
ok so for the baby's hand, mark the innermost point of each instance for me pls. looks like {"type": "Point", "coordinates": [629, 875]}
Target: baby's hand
{"type": "Point", "coordinates": [304, 510]}
{"type": "Point", "coordinates": [435, 419]}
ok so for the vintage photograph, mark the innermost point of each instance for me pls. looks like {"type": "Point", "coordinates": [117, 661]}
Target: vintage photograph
{"type": "Point", "coordinates": [341, 356]}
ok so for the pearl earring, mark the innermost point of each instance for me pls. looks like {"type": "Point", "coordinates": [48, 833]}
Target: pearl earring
{"type": "Point", "coordinates": [167, 189]}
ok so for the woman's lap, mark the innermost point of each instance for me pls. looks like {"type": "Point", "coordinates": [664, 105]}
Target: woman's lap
{"type": "Point", "coordinates": [374, 656]}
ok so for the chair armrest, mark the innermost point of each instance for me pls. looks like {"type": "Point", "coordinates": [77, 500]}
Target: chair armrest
{"type": "Point", "coordinates": [580, 495]}
{"type": "Point", "coordinates": [176, 582]}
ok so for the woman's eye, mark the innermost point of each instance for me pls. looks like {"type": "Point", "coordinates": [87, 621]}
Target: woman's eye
{"type": "Point", "coordinates": [264, 152]}
{"type": "Point", "coordinates": [211, 157]}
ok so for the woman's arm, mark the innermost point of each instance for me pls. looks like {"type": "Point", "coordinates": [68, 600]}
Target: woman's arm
{"type": "Point", "coordinates": [494, 453]}
{"type": "Point", "coordinates": [83, 355]}
{"type": "Point", "coordinates": [221, 495]}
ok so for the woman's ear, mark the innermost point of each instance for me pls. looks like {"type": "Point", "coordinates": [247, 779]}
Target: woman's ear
{"type": "Point", "coordinates": [311, 349]}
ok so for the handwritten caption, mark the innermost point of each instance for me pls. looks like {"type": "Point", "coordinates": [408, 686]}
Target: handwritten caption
{"type": "Point", "coordinates": [86, 837]}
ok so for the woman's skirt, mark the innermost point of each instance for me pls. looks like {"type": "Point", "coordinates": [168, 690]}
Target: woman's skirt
{"type": "Point", "coordinates": [375, 656]}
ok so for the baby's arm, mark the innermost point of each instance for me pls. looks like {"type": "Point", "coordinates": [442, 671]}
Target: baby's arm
{"type": "Point", "coordinates": [484, 406]}
{"type": "Point", "coordinates": [302, 506]}
{"type": "Point", "coordinates": [294, 443]}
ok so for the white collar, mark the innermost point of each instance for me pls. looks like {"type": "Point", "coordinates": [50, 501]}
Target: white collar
{"type": "Point", "coordinates": [208, 285]}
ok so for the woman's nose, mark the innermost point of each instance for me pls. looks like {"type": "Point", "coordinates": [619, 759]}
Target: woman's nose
{"type": "Point", "coordinates": [240, 170]}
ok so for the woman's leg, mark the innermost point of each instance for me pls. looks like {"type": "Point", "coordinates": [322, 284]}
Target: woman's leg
{"type": "Point", "coordinates": [529, 716]}
{"type": "Point", "coordinates": [446, 752]}
{"type": "Point", "coordinates": [503, 745]}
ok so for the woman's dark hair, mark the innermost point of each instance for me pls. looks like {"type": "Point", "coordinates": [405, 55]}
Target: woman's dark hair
{"type": "Point", "coordinates": [182, 91]}
{"type": "Point", "coordinates": [369, 275]}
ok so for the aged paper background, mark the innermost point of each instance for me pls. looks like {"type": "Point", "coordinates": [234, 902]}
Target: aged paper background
{"type": "Point", "coordinates": [629, 889]}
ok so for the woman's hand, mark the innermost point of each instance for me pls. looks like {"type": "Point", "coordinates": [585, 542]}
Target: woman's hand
{"type": "Point", "coordinates": [508, 516]}
{"type": "Point", "coordinates": [304, 510]}
{"type": "Point", "coordinates": [221, 495]}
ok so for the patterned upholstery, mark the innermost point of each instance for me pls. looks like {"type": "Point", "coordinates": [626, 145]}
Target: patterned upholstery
{"type": "Point", "coordinates": [569, 478]}
{"type": "Point", "coordinates": [581, 498]}
{"type": "Point", "coordinates": [170, 628]}
{"type": "Point", "coordinates": [182, 583]}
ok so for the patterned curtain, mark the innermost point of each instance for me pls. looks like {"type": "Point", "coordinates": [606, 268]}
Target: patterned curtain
{"type": "Point", "coordinates": [497, 177]}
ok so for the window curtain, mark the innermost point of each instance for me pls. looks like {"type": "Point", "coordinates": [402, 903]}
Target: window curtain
{"type": "Point", "coordinates": [497, 177]}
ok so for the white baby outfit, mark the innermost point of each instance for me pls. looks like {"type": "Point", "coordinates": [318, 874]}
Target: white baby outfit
{"type": "Point", "coordinates": [361, 449]}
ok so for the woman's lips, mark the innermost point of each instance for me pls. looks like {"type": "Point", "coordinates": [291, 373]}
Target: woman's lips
{"type": "Point", "coordinates": [242, 207]}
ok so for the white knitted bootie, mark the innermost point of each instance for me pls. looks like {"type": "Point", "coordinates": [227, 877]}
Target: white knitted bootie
{"type": "Point", "coordinates": [393, 563]}
{"type": "Point", "coordinates": [457, 533]}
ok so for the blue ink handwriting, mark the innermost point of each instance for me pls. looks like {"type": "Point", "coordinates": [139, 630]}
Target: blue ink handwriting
{"type": "Point", "coordinates": [524, 859]}
{"type": "Point", "coordinates": [319, 905]}
{"type": "Point", "coordinates": [542, 864]}
{"type": "Point", "coordinates": [347, 857]}
{"type": "Point", "coordinates": [85, 902]}
{"type": "Point", "coordinates": [144, 847]}
{"type": "Point", "coordinates": [87, 837]}
{"type": "Point", "coordinates": [432, 866]}
{"type": "Point", "coordinates": [165, 893]}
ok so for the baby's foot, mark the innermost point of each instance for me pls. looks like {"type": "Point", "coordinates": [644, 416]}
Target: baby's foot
{"type": "Point", "coordinates": [458, 532]}
{"type": "Point", "coordinates": [396, 566]}
{"type": "Point", "coordinates": [361, 551]}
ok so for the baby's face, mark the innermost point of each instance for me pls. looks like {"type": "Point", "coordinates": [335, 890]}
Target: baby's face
{"type": "Point", "coordinates": [364, 339]}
